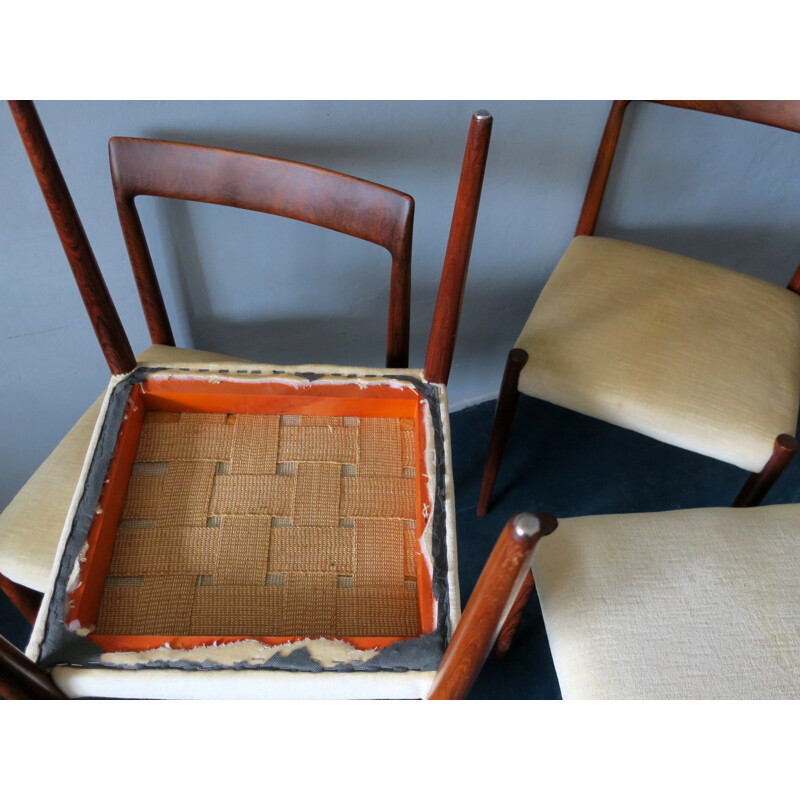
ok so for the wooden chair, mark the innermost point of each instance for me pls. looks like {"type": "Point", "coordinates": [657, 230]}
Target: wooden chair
{"type": "Point", "coordinates": [339, 202]}
{"type": "Point", "coordinates": [469, 647]}
{"type": "Point", "coordinates": [690, 604]}
{"type": "Point", "coordinates": [686, 352]}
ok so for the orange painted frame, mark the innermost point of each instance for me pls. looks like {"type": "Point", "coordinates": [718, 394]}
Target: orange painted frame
{"type": "Point", "coordinates": [228, 395]}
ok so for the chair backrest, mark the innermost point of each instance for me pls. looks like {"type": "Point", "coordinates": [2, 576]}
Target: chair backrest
{"type": "Point", "coordinates": [298, 191]}
{"type": "Point", "coordinates": [331, 200]}
{"type": "Point", "coordinates": [488, 606]}
{"type": "Point", "coordinates": [776, 113]}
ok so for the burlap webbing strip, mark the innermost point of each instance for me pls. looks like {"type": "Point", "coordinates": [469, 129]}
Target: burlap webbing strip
{"type": "Point", "coordinates": [299, 549]}
{"type": "Point", "coordinates": [242, 525]}
{"type": "Point", "coordinates": [377, 497]}
{"type": "Point", "coordinates": [153, 551]}
{"type": "Point", "coordinates": [255, 445]}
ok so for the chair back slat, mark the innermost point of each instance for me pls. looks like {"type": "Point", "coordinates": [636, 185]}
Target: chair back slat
{"type": "Point", "coordinates": [274, 186]}
{"type": "Point", "coordinates": [783, 114]}
{"type": "Point", "coordinates": [289, 189]}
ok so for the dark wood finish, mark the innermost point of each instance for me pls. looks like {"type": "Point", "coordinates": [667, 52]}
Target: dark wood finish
{"type": "Point", "coordinates": [25, 599]}
{"type": "Point", "coordinates": [794, 283]}
{"type": "Point", "coordinates": [99, 305]}
{"type": "Point", "coordinates": [759, 483]}
{"type": "Point", "coordinates": [21, 679]}
{"type": "Point", "coordinates": [514, 616]}
{"type": "Point", "coordinates": [504, 416]}
{"type": "Point", "coordinates": [483, 617]}
{"type": "Point", "coordinates": [602, 167]}
{"type": "Point", "coordinates": [318, 196]}
{"type": "Point", "coordinates": [446, 316]}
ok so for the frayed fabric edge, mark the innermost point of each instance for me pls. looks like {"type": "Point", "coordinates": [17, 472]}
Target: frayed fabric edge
{"type": "Point", "coordinates": [328, 653]}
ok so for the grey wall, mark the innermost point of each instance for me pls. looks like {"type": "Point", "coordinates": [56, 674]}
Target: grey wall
{"type": "Point", "coordinates": [274, 290]}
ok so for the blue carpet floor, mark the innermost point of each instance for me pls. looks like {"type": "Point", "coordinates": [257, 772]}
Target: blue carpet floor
{"type": "Point", "coordinates": [567, 464]}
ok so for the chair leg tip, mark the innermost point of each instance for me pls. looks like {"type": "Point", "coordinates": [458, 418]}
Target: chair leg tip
{"type": "Point", "coordinates": [484, 499]}
{"type": "Point", "coordinates": [501, 651]}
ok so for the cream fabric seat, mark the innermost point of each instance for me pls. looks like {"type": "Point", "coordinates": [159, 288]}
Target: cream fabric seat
{"type": "Point", "coordinates": [698, 603]}
{"type": "Point", "coordinates": [31, 525]}
{"type": "Point", "coordinates": [677, 349]}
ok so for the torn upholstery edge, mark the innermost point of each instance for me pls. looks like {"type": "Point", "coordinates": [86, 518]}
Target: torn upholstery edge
{"type": "Point", "coordinates": [247, 370]}
{"type": "Point", "coordinates": [328, 653]}
{"type": "Point", "coordinates": [418, 649]}
{"type": "Point", "coordinates": [451, 545]}
{"type": "Point", "coordinates": [37, 635]}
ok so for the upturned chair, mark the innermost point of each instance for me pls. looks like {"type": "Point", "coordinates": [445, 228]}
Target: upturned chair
{"type": "Point", "coordinates": [683, 351]}
{"type": "Point", "coordinates": [353, 461]}
{"type": "Point", "coordinates": [690, 604]}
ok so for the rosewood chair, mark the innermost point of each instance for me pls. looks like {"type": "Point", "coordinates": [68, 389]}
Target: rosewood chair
{"type": "Point", "coordinates": [689, 353]}
{"type": "Point", "coordinates": [510, 560]}
{"type": "Point", "coordinates": [385, 435]}
{"type": "Point", "coordinates": [689, 604]}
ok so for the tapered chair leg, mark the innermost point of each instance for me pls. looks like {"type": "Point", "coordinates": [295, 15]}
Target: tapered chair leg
{"type": "Point", "coordinates": [25, 599]}
{"type": "Point", "coordinates": [506, 406]}
{"type": "Point", "coordinates": [759, 483]}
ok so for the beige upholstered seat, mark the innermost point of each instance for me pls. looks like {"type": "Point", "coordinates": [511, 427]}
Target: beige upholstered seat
{"type": "Point", "coordinates": [31, 525]}
{"type": "Point", "coordinates": [686, 352]}
{"type": "Point", "coordinates": [700, 603]}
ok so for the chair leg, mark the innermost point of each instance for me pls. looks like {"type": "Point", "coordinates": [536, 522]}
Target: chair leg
{"type": "Point", "coordinates": [759, 483]}
{"type": "Point", "coordinates": [475, 633]}
{"type": "Point", "coordinates": [514, 616]}
{"type": "Point", "coordinates": [506, 406]}
{"type": "Point", "coordinates": [21, 679]}
{"type": "Point", "coordinates": [25, 599]}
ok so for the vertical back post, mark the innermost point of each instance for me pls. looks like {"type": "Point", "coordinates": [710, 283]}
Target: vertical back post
{"type": "Point", "coordinates": [99, 305]}
{"type": "Point", "coordinates": [446, 315]}
{"type": "Point", "coordinates": [399, 318]}
{"type": "Point", "coordinates": [602, 167]}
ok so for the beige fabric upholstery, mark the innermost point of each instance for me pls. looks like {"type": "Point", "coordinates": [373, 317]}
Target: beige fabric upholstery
{"type": "Point", "coordinates": [680, 604]}
{"type": "Point", "coordinates": [175, 684]}
{"type": "Point", "coordinates": [691, 354]}
{"type": "Point", "coordinates": [31, 525]}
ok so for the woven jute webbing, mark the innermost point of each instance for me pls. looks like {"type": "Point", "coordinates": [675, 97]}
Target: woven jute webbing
{"type": "Point", "coordinates": [265, 525]}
